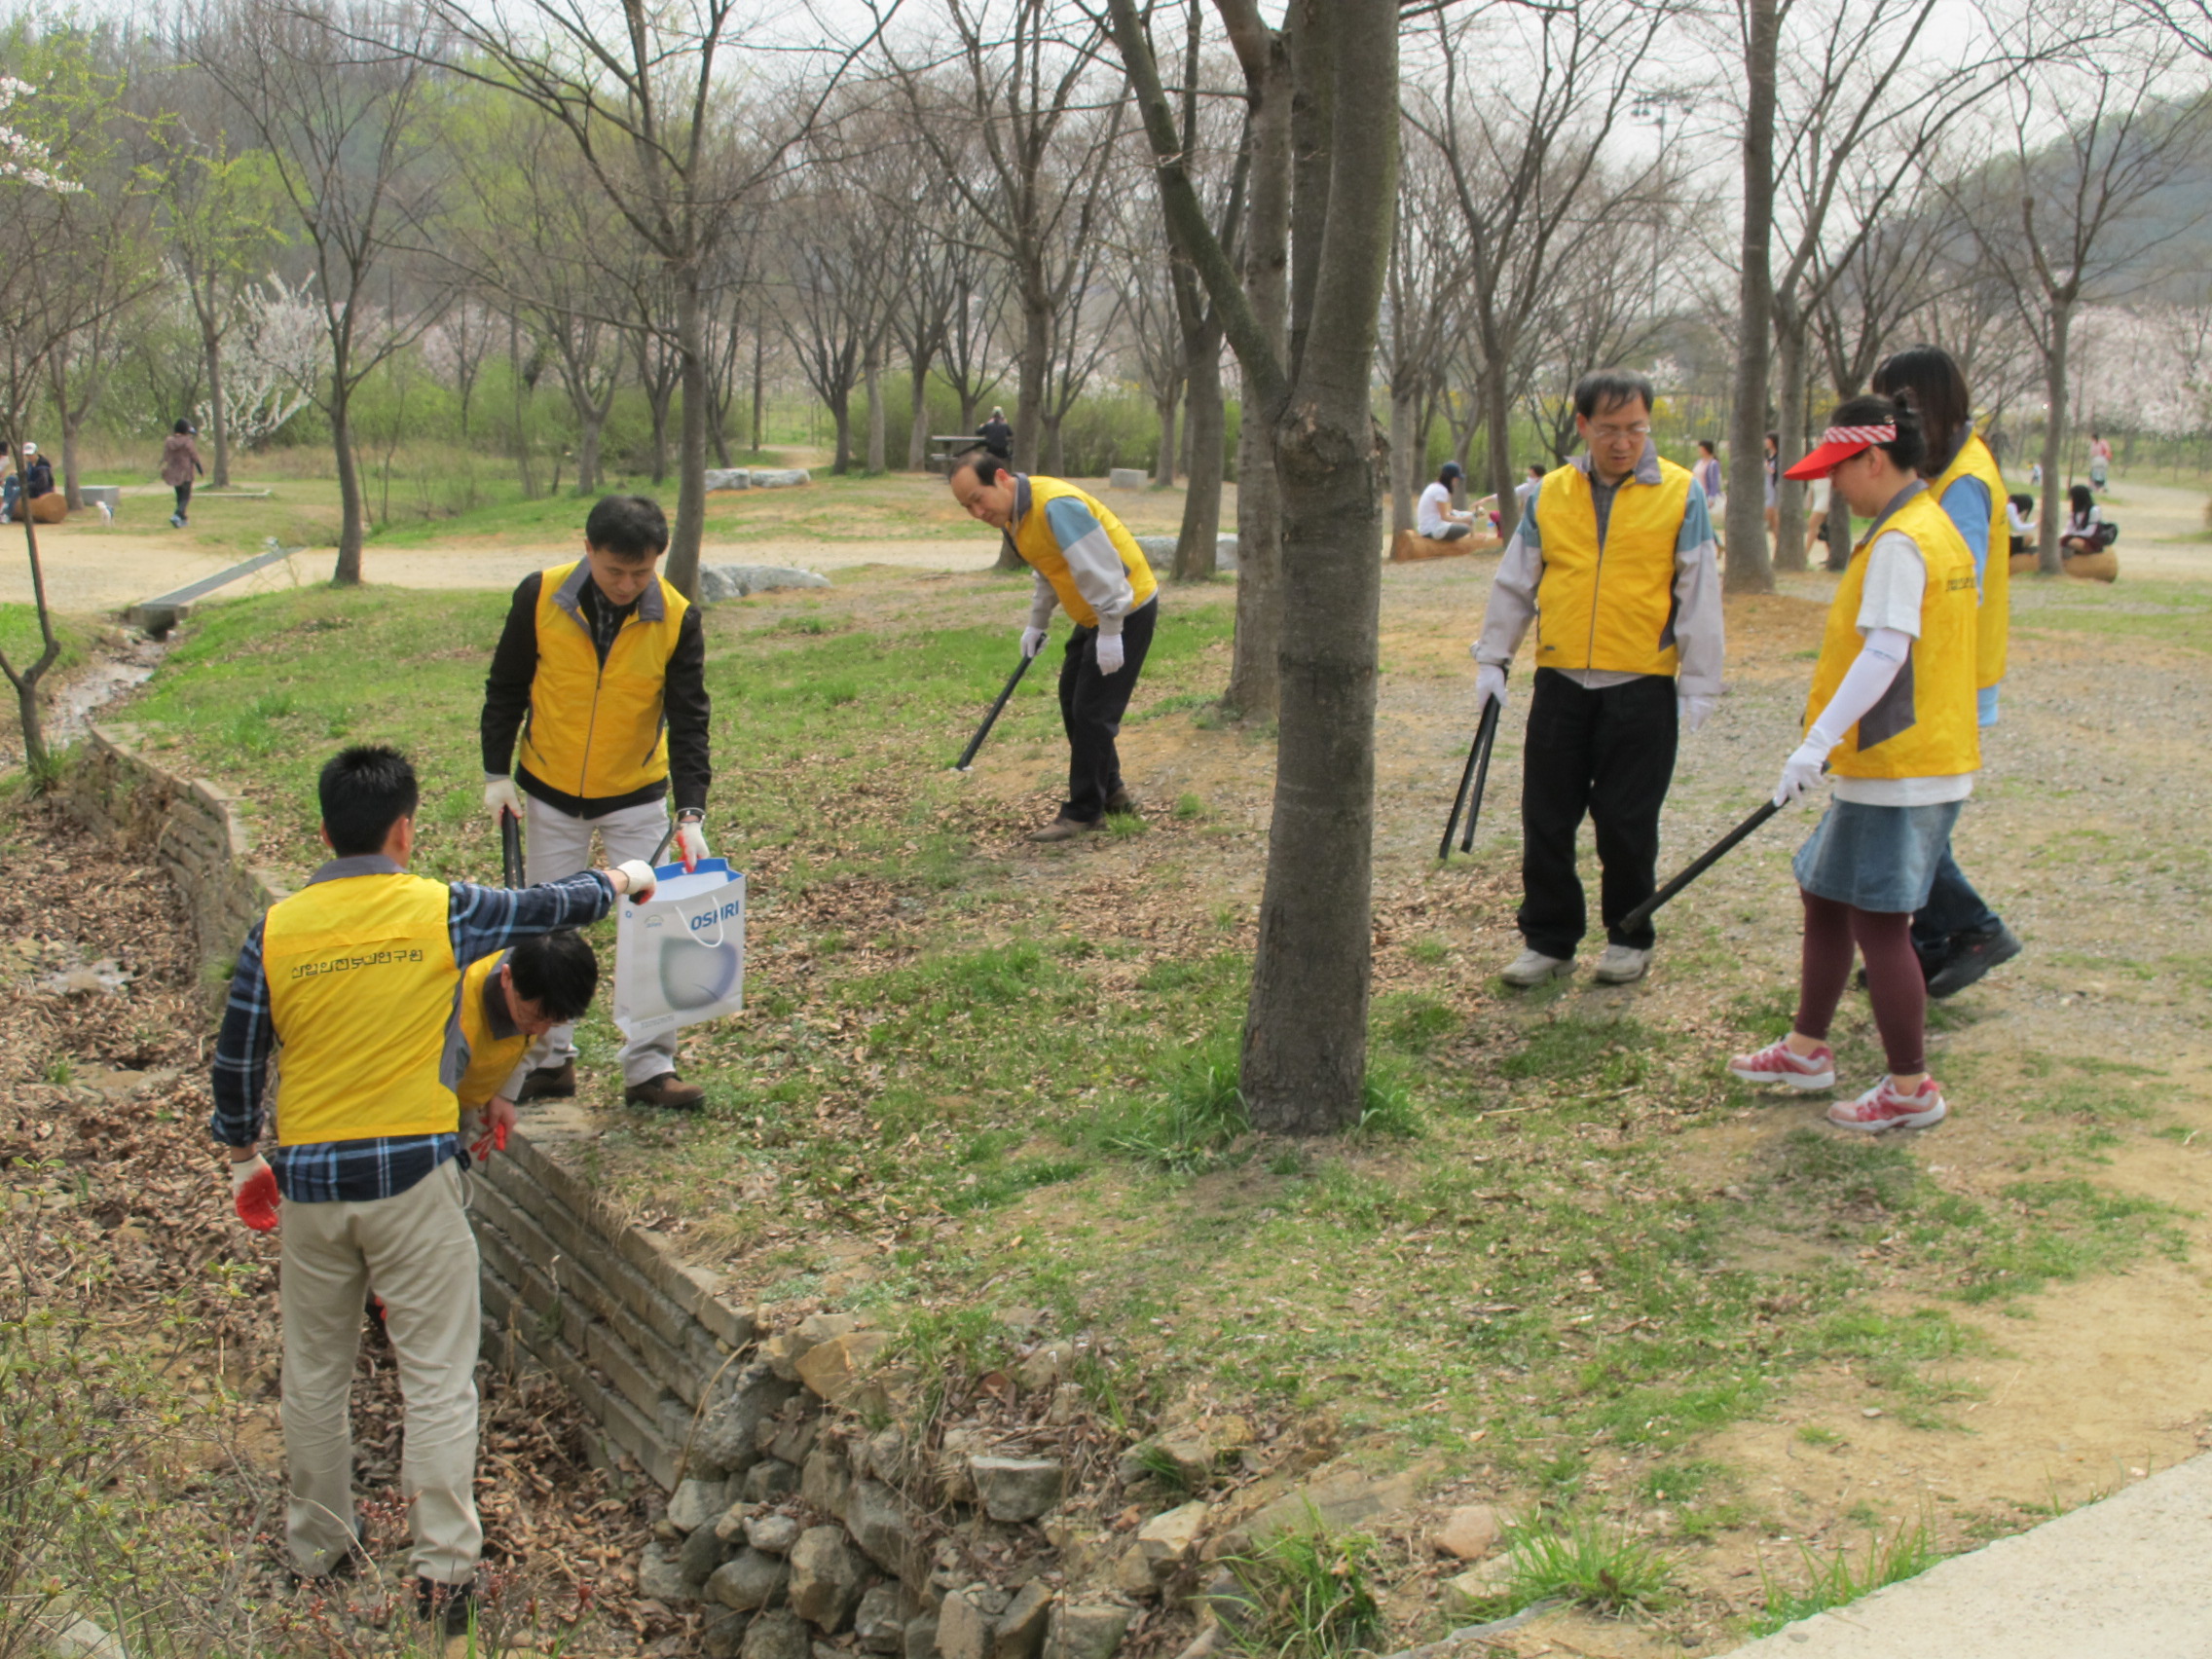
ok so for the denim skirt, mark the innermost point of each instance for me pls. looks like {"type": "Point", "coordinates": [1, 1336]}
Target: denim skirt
{"type": "Point", "coordinates": [1875, 857]}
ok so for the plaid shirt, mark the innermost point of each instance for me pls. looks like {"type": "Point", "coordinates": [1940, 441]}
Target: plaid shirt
{"type": "Point", "coordinates": [480, 921]}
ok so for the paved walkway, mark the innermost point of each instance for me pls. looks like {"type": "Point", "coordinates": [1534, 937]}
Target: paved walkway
{"type": "Point", "coordinates": [2129, 1577]}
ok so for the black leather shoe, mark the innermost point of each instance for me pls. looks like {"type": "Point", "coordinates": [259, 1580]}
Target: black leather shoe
{"type": "Point", "coordinates": [446, 1607]}
{"type": "Point", "coordinates": [668, 1091]}
{"type": "Point", "coordinates": [1122, 802]}
{"type": "Point", "coordinates": [1971, 956]}
{"type": "Point", "coordinates": [549, 1082]}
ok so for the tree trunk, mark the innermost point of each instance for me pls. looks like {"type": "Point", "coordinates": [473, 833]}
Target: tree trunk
{"type": "Point", "coordinates": [1207, 426]}
{"type": "Point", "coordinates": [71, 421]}
{"type": "Point", "coordinates": [1497, 449]}
{"type": "Point", "coordinates": [1056, 449]}
{"type": "Point", "coordinates": [657, 397]}
{"type": "Point", "coordinates": [1790, 341]}
{"type": "Point", "coordinates": [1747, 569]}
{"type": "Point", "coordinates": [1402, 396]}
{"type": "Point", "coordinates": [681, 568]}
{"type": "Point", "coordinates": [1839, 531]}
{"type": "Point", "coordinates": [352, 511]}
{"type": "Point", "coordinates": [918, 434]}
{"type": "Point", "coordinates": [1163, 464]}
{"type": "Point", "coordinates": [2055, 509]}
{"type": "Point", "coordinates": [522, 411]}
{"type": "Point", "coordinates": [871, 378]}
{"type": "Point", "coordinates": [760, 361]}
{"type": "Point", "coordinates": [218, 411]}
{"type": "Point", "coordinates": [590, 423]}
{"type": "Point", "coordinates": [29, 716]}
{"type": "Point", "coordinates": [1035, 362]}
{"type": "Point", "coordinates": [1305, 1055]}
{"type": "Point", "coordinates": [842, 419]}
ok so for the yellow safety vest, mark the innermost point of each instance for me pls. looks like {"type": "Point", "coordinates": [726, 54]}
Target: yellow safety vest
{"type": "Point", "coordinates": [597, 732]}
{"type": "Point", "coordinates": [1993, 623]}
{"type": "Point", "coordinates": [362, 980]}
{"type": "Point", "coordinates": [491, 1056]}
{"type": "Point", "coordinates": [1033, 540]}
{"type": "Point", "coordinates": [1609, 605]}
{"type": "Point", "coordinates": [1923, 726]}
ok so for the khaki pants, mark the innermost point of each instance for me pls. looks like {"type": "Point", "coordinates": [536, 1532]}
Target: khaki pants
{"type": "Point", "coordinates": [418, 1251]}
{"type": "Point", "coordinates": [559, 845]}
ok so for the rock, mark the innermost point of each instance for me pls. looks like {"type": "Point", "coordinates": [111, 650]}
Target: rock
{"type": "Point", "coordinates": [886, 1455]}
{"type": "Point", "coordinates": [697, 1503]}
{"type": "Point", "coordinates": [1018, 1489]}
{"type": "Point", "coordinates": [772, 1534]}
{"type": "Point", "coordinates": [81, 1637]}
{"type": "Point", "coordinates": [1067, 1405]}
{"type": "Point", "coordinates": [1169, 1540]}
{"type": "Point", "coordinates": [727, 478]}
{"type": "Point", "coordinates": [1089, 1631]}
{"type": "Point", "coordinates": [953, 1480]}
{"type": "Point", "coordinates": [921, 1635]}
{"type": "Point", "coordinates": [1334, 1503]}
{"type": "Point", "coordinates": [1047, 1366]}
{"type": "Point", "coordinates": [783, 478]}
{"type": "Point", "coordinates": [1159, 551]}
{"type": "Point", "coordinates": [827, 1481]}
{"type": "Point", "coordinates": [834, 1369]}
{"type": "Point", "coordinates": [729, 1430]}
{"type": "Point", "coordinates": [1133, 1574]}
{"type": "Point", "coordinates": [697, 1556]}
{"type": "Point", "coordinates": [1188, 1457]}
{"type": "Point", "coordinates": [1127, 478]}
{"type": "Point", "coordinates": [777, 1635]}
{"type": "Point", "coordinates": [767, 1482]}
{"type": "Point", "coordinates": [750, 1580]}
{"type": "Point", "coordinates": [791, 1439]}
{"type": "Point", "coordinates": [730, 1529]}
{"type": "Point", "coordinates": [963, 1630]}
{"type": "Point", "coordinates": [1020, 1631]}
{"type": "Point", "coordinates": [719, 582]}
{"type": "Point", "coordinates": [1476, 1590]}
{"type": "Point", "coordinates": [721, 1633]}
{"type": "Point", "coordinates": [993, 1599]}
{"type": "Point", "coordinates": [825, 1578]}
{"type": "Point", "coordinates": [659, 1578]}
{"type": "Point", "coordinates": [877, 1624]}
{"type": "Point", "coordinates": [1468, 1533]}
{"type": "Point", "coordinates": [879, 1524]}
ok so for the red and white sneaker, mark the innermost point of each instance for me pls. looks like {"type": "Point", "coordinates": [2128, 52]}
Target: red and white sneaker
{"type": "Point", "coordinates": [1778, 1063]}
{"type": "Point", "coordinates": [1884, 1106]}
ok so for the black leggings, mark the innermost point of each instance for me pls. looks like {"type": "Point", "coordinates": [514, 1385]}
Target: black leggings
{"type": "Point", "coordinates": [183, 496]}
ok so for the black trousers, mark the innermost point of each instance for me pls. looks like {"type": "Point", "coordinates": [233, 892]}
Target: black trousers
{"type": "Point", "coordinates": [1092, 706]}
{"type": "Point", "coordinates": [1609, 755]}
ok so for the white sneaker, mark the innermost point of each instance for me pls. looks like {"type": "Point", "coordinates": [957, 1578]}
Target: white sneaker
{"type": "Point", "coordinates": [1621, 965]}
{"type": "Point", "coordinates": [1533, 967]}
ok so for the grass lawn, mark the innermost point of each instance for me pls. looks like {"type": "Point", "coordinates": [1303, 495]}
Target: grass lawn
{"type": "Point", "coordinates": [977, 1082]}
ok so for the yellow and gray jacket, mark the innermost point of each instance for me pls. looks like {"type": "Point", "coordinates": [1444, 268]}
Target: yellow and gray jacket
{"type": "Point", "coordinates": [1085, 559]}
{"type": "Point", "coordinates": [1616, 588]}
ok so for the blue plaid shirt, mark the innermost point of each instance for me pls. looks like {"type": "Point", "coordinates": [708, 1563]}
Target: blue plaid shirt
{"type": "Point", "coordinates": [480, 921]}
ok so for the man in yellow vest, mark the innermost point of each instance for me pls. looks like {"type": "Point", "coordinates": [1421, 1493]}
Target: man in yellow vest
{"type": "Point", "coordinates": [601, 669]}
{"type": "Point", "coordinates": [508, 1000]}
{"type": "Point", "coordinates": [1089, 565]}
{"type": "Point", "coordinates": [1614, 562]}
{"type": "Point", "coordinates": [355, 977]}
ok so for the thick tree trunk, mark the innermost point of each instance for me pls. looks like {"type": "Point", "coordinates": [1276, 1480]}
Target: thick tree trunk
{"type": "Point", "coordinates": [1055, 450]}
{"type": "Point", "coordinates": [841, 416]}
{"type": "Point", "coordinates": [2055, 508]}
{"type": "Point", "coordinates": [1036, 361]}
{"type": "Point", "coordinates": [1497, 449]}
{"type": "Point", "coordinates": [71, 422]}
{"type": "Point", "coordinates": [351, 510]}
{"type": "Point", "coordinates": [1401, 453]}
{"type": "Point", "coordinates": [681, 568]}
{"type": "Point", "coordinates": [1305, 1056]}
{"type": "Point", "coordinates": [1163, 464]}
{"type": "Point", "coordinates": [1207, 424]}
{"type": "Point", "coordinates": [590, 423]}
{"type": "Point", "coordinates": [1748, 568]}
{"type": "Point", "coordinates": [918, 434]}
{"type": "Point", "coordinates": [656, 402]}
{"type": "Point", "coordinates": [1790, 341]}
{"type": "Point", "coordinates": [871, 378]}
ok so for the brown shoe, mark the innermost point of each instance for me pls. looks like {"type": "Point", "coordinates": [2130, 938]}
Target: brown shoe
{"type": "Point", "coordinates": [668, 1091]}
{"type": "Point", "coordinates": [1123, 802]}
{"type": "Point", "coordinates": [549, 1082]}
{"type": "Point", "coordinates": [1062, 828]}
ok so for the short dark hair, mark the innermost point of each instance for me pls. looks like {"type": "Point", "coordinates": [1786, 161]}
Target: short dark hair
{"type": "Point", "coordinates": [1939, 391]}
{"type": "Point", "coordinates": [1872, 410]}
{"type": "Point", "coordinates": [1706, 444]}
{"type": "Point", "coordinates": [2026, 503]}
{"type": "Point", "coordinates": [182, 426]}
{"type": "Point", "coordinates": [1536, 468]}
{"type": "Point", "coordinates": [629, 527]}
{"type": "Point", "coordinates": [1609, 388]}
{"type": "Point", "coordinates": [555, 971]}
{"type": "Point", "coordinates": [985, 466]}
{"type": "Point", "coordinates": [364, 790]}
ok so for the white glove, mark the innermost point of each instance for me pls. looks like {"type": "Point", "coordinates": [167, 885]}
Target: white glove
{"type": "Point", "coordinates": [1032, 641]}
{"type": "Point", "coordinates": [1800, 772]}
{"type": "Point", "coordinates": [1490, 683]}
{"type": "Point", "coordinates": [501, 795]}
{"type": "Point", "coordinates": [690, 842]}
{"type": "Point", "coordinates": [1110, 653]}
{"type": "Point", "coordinates": [636, 878]}
{"type": "Point", "coordinates": [1695, 710]}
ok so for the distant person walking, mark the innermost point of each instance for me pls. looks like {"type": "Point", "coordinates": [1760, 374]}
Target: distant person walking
{"type": "Point", "coordinates": [2100, 462]}
{"type": "Point", "coordinates": [1706, 472]}
{"type": "Point", "coordinates": [1614, 566]}
{"type": "Point", "coordinates": [180, 465]}
{"type": "Point", "coordinates": [997, 435]}
{"type": "Point", "coordinates": [1435, 519]}
{"type": "Point", "coordinates": [1088, 564]}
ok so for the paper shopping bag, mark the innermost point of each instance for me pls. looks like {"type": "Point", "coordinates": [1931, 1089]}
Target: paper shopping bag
{"type": "Point", "coordinates": [679, 956]}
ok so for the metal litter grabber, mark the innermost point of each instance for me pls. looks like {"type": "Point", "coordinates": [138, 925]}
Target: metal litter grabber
{"type": "Point", "coordinates": [1477, 772]}
{"type": "Point", "coordinates": [1697, 867]}
{"type": "Point", "coordinates": [968, 755]}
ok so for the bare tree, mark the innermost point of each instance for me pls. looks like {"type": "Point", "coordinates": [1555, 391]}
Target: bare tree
{"type": "Point", "coordinates": [1305, 1030]}
{"type": "Point", "coordinates": [340, 97]}
{"type": "Point", "coordinates": [1428, 270]}
{"type": "Point", "coordinates": [833, 291]}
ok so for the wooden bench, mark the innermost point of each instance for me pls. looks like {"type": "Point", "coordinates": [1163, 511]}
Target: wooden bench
{"type": "Point", "coordinates": [1409, 546]}
{"type": "Point", "coordinates": [948, 448]}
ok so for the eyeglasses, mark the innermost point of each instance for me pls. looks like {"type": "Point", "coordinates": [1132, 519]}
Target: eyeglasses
{"type": "Point", "coordinates": [1620, 434]}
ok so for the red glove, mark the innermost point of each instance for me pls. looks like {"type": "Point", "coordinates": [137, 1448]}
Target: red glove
{"type": "Point", "coordinates": [498, 1119]}
{"type": "Point", "coordinates": [253, 1193]}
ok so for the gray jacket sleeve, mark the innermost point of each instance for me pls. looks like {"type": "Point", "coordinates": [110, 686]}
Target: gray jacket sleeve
{"type": "Point", "coordinates": [1512, 595]}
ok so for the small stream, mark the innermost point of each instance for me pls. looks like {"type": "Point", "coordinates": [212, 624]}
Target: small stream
{"type": "Point", "coordinates": [108, 676]}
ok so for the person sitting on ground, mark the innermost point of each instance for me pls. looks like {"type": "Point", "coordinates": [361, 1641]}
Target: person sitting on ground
{"type": "Point", "coordinates": [1086, 562]}
{"type": "Point", "coordinates": [180, 461]}
{"type": "Point", "coordinates": [2020, 520]}
{"type": "Point", "coordinates": [1891, 714]}
{"type": "Point", "coordinates": [997, 435]}
{"type": "Point", "coordinates": [2084, 525]}
{"type": "Point", "coordinates": [1435, 518]}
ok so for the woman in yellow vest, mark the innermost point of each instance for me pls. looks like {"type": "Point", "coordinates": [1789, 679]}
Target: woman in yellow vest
{"type": "Point", "coordinates": [1891, 714]}
{"type": "Point", "coordinates": [1958, 937]}
{"type": "Point", "coordinates": [1089, 565]}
